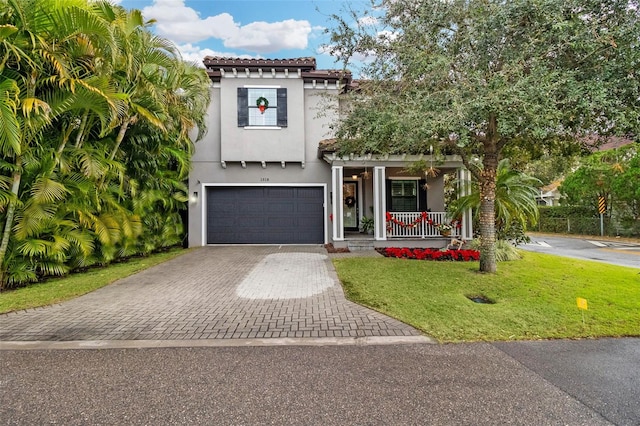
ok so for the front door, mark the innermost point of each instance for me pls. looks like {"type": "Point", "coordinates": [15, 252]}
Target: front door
{"type": "Point", "coordinates": [350, 208]}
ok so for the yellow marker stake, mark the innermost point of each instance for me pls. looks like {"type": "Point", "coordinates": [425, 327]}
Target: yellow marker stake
{"type": "Point", "coordinates": [582, 305]}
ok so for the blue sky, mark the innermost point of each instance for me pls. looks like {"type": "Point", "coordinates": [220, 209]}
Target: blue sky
{"type": "Point", "coordinates": [273, 29]}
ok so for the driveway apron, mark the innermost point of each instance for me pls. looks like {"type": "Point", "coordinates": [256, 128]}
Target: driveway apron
{"type": "Point", "coordinates": [240, 292]}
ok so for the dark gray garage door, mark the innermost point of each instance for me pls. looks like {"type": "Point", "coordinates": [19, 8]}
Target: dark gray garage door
{"type": "Point", "coordinates": [265, 215]}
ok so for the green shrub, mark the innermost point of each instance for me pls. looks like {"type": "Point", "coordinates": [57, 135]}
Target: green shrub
{"type": "Point", "coordinates": [505, 250]}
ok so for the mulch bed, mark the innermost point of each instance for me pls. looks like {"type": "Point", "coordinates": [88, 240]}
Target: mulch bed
{"type": "Point", "coordinates": [331, 249]}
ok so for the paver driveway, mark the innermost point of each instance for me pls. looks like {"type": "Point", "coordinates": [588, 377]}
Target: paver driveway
{"type": "Point", "coordinates": [212, 293]}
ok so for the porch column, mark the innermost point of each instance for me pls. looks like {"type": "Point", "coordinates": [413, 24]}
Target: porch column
{"type": "Point", "coordinates": [336, 202]}
{"type": "Point", "coordinates": [379, 203]}
{"type": "Point", "coordinates": [464, 188]}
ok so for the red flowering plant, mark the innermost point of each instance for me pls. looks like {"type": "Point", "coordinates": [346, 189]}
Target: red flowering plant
{"type": "Point", "coordinates": [431, 254]}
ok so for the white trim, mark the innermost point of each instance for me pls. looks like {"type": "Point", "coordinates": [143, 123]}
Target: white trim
{"type": "Point", "coordinates": [324, 86]}
{"type": "Point", "coordinates": [360, 201]}
{"type": "Point", "coordinates": [403, 178]}
{"type": "Point", "coordinates": [379, 203]}
{"type": "Point", "coordinates": [261, 86]}
{"type": "Point", "coordinates": [393, 160]}
{"type": "Point", "coordinates": [203, 211]}
{"type": "Point", "coordinates": [203, 215]}
{"type": "Point", "coordinates": [293, 184]}
{"type": "Point", "coordinates": [337, 181]}
{"type": "Point", "coordinates": [262, 127]}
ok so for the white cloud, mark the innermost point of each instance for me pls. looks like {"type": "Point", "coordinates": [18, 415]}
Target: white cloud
{"type": "Point", "coordinates": [267, 37]}
{"type": "Point", "coordinates": [183, 24]}
{"type": "Point", "coordinates": [196, 54]}
{"type": "Point", "coordinates": [368, 21]}
{"type": "Point", "coordinates": [355, 60]}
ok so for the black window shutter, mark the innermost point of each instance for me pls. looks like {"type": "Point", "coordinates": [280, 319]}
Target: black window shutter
{"type": "Point", "coordinates": [282, 107]}
{"type": "Point", "coordinates": [243, 107]}
{"type": "Point", "coordinates": [389, 197]}
{"type": "Point", "coordinates": [422, 196]}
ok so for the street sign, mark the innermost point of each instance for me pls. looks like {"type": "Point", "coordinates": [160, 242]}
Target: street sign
{"type": "Point", "coordinates": [602, 205]}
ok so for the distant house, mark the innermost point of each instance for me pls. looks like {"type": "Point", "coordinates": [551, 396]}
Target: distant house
{"type": "Point", "coordinates": [549, 194]}
{"type": "Point", "coordinates": [612, 142]}
{"type": "Point", "coordinates": [268, 173]}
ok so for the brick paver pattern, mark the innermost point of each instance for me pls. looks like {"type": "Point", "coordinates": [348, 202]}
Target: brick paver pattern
{"type": "Point", "coordinates": [212, 293]}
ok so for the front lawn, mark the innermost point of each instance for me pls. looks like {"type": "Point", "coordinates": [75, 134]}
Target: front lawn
{"type": "Point", "coordinates": [535, 298]}
{"type": "Point", "coordinates": [56, 290]}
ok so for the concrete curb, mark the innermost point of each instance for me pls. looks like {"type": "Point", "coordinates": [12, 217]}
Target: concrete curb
{"type": "Point", "coordinates": [215, 343]}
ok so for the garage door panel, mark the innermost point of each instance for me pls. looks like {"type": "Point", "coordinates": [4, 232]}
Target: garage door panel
{"type": "Point", "coordinates": [248, 192]}
{"type": "Point", "coordinates": [280, 209]}
{"type": "Point", "coordinates": [280, 225]}
{"type": "Point", "coordinates": [311, 222]}
{"type": "Point", "coordinates": [265, 215]}
{"type": "Point", "coordinates": [286, 193]}
{"type": "Point", "coordinates": [307, 193]}
{"type": "Point", "coordinates": [224, 209]}
{"type": "Point", "coordinates": [304, 208]}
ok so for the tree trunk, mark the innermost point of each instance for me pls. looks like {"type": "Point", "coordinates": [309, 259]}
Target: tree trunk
{"type": "Point", "coordinates": [83, 125]}
{"type": "Point", "coordinates": [123, 130]}
{"type": "Point", "coordinates": [63, 143]}
{"type": "Point", "coordinates": [488, 217]}
{"type": "Point", "coordinates": [488, 199]}
{"type": "Point", "coordinates": [11, 209]}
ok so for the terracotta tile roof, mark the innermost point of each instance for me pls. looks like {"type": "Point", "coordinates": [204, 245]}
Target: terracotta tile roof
{"type": "Point", "coordinates": [328, 144]}
{"type": "Point", "coordinates": [552, 186]}
{"type": "Point", "coordinates": [217, 62]}
{"type": "Point", "coordinates": [594, 143]}
{"type": "Point", "coordinates": [306, 66]}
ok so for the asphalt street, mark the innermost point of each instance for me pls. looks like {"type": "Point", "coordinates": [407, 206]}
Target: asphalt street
{"type": "Point", "coordinates": [522, 383]}
{"type": "Point", "coordinates": [264, 335]}
{"type": "Point", "coordinates": [616, 252]}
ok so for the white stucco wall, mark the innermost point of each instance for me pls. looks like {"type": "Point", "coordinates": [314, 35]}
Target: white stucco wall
{"type": "Point", "coordinates": [217, 158]}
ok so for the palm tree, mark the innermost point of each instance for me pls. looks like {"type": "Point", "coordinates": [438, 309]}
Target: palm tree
{"type": "Point", "coordinates": [515, 202]}
{"type": "Point", "coordinates": [45, 78]}
{"type": "Point", "coordinates": [95, 117]}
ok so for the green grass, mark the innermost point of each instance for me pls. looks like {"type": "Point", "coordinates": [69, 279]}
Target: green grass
{"type": "Point", "coordinates": [64, 288]}
{"type": "Point", "coordinates": [535, 297]}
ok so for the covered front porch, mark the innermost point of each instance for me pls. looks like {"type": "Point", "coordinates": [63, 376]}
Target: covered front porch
{"type": "Point", "coordinates": [401, 207]}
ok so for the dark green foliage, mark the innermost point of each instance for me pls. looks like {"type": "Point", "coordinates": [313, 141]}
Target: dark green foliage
{"type": "Point", "coordinates": [94, 120]}
{"type": "Point", "coordinates": [614, 175]}
{"type": "Point", "coordinates": [583, 220]}
{"type": "Point", "coordinates": [568, 211]}
{"type": "Point", "coordinates": [488, 80]}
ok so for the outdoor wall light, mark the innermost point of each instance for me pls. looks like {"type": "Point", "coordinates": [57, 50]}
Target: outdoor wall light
{"type": "Point", "coordinates": [194, 198]}
{"type": "Point", "coordinates": [354, 177]}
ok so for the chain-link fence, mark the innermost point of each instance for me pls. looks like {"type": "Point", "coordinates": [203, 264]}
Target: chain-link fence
{"type": "Point", "coordinates": [587, 226]}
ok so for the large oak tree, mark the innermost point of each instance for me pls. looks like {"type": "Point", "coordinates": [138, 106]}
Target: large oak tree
{"type": "Point", "coordinates": [480, 77]}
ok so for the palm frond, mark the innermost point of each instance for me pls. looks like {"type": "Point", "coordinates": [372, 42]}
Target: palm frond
{"type": "Point", "coordinates": [33, 247]}
{"type": "Point", "coordinates": [46, 190]}
{"type": "Point", "coordinates": [52, 268]}
{"type": "Point", "coordinates": [10, 132]}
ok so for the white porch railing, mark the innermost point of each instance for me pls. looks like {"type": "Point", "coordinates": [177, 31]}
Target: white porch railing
{"type": "Point", "coordinates": [418, 225]}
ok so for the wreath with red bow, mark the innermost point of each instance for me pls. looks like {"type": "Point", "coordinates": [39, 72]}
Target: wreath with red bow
{"type": "Point", "coordinates": [262, 103]}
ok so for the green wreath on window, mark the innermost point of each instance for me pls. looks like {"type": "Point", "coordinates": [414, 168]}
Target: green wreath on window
{"type": "Point", "coordinates": [262, 103]}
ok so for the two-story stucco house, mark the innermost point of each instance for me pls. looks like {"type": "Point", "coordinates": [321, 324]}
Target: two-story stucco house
{"type": "Point", "coordinates": [266, 172]}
